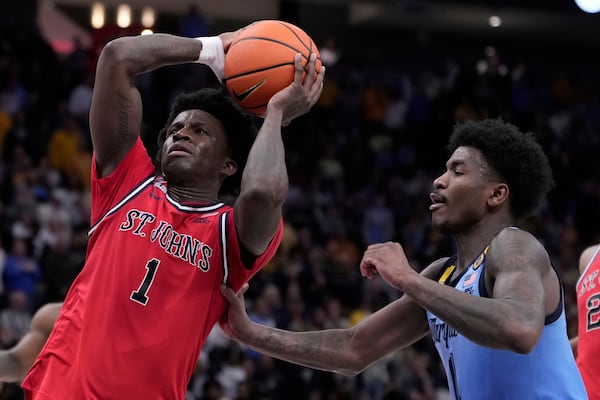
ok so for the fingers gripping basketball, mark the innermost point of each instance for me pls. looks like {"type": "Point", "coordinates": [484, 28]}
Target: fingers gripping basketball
{"type": "Point", "coordinates": [260, 62]}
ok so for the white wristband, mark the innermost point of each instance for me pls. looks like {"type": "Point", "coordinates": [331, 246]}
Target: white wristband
{"type": "Point", "coordinates": [213, 55]}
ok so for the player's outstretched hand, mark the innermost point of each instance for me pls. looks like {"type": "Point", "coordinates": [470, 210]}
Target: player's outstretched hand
{"type": "Point", "coordinates": [298, 98]}
{"type": "Point", "coordinates": [235, 322]}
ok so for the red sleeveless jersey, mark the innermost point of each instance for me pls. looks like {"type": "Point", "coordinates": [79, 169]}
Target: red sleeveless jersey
{"type": "Point", "coordinates": [135, 319]}
{"type": "Point", "coordinates": [588, 307]}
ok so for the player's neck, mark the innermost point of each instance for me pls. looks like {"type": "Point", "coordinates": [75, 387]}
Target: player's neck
{"type": "Point", "coordinates": [184, 195]}
{"type": "Point", "coordinates": [470, 244]}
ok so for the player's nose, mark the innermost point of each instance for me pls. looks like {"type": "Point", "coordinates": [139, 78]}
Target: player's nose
{"type": "Point", "coordinates": [182, 134]}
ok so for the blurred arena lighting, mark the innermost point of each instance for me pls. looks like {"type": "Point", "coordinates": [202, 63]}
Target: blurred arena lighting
{"type": "Point", "coordinates": [148, 17]}
{"type": "Point", "coordinates": [97, 15]}
{"type": "Point", "coordinates": [589, 6]}
{"type": "Point", "coordinates": [495, 21]}
{"type": "Point", "coordinates": [123, 15]}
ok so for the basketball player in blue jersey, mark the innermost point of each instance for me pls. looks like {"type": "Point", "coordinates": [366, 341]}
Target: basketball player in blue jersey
{"type": "Point", "coordinates": [495, 309]}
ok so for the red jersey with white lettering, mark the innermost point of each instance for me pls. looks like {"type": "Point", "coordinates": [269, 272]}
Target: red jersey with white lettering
{"type": "Point", "coordinates": [136, 317]}
{"type": "Point", "coordinates": [588, 307]}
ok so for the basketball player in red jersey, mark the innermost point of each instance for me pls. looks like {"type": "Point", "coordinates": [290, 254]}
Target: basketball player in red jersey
{"type": "Point", "coordinates": [162, 241]}
{"type": "Point", "coordinates": [586, 345]}
{"type": "Point", "coordinates": [16, 361]}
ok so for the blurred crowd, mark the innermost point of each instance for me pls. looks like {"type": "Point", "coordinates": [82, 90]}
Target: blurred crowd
{"type": "Point", "coordinates": [361, 166]}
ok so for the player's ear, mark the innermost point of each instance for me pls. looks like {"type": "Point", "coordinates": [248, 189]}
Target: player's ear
{"type": "Point", "coordinates": [498, 195]}
{"type": "Point", "coordinates": [229, 167]}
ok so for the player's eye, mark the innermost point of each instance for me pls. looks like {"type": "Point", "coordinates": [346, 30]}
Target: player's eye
{"type": "Point", "coordinates": [173, 130]}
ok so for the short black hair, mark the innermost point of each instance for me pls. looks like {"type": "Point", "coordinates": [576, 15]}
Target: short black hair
{"type": "Point", "coordinates": [240, 128]}
{"type": "Point", "coordinates": [515, 156]}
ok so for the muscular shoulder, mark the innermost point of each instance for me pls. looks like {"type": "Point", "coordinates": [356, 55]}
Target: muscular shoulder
{"type": "Point", "coordinates": [516, 248]}
{"type": "Point", "coordinates": [44, 318]}
{"type": "Point", "coordinates": [586, 256]}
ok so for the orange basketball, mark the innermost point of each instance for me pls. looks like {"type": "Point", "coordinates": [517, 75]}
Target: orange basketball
{"type": "Point", "coordinates": [260, 62]}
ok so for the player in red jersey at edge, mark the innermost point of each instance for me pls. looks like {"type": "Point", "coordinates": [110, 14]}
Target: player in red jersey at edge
{"type": "Point", "coordinates": [586, 346]}
{"type": "Point", "coordinates": [162, 240]}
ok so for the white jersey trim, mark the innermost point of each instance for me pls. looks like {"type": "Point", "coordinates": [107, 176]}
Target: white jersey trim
{"type": "Point", "coordinates": [190, 208]}
{"type": "Point", "coordinates": [223, 232]}
{"type": "Point", "coordinates": [585, 270]}
{"type": "Point", "coordinates": [120, 204]}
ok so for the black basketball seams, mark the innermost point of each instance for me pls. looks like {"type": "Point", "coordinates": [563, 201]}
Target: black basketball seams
{"type": "Point", "coordinates": [310, 43]}
{"type": "Point", "coordinates": [248, 63]}
{"type": "Point", "coordinates": [266, 39]}
{"type": "Point", "coordinates": [309, 47]}
{"type": "Point", "coordinates": [297, 37]}
{"type": "Point", "coordinates": [275, 66]}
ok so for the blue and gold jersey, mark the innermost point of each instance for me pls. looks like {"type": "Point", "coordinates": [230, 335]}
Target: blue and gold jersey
{"type": "Point", "coordinates": [476, 372]}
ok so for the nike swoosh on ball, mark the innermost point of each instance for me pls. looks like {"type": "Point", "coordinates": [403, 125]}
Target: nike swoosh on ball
{"type": "Point", "coordinates": [248, 92]}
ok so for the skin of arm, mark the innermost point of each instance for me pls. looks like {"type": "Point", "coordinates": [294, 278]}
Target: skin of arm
{"type": "Point", "coordinates": [264, 184]}
{"type": "Point", "coordinates": [116, 118]}
{"type": "Point", "coordinates": [346, 351]}
{"type": "Point", "coordinates": [584, 260]}
{"type": "Point", "coordinates": [116, 109]}
{"type": "Point", "coordinates": [512, 319]}
{"type": "Point", "coordinates": [16, 361]}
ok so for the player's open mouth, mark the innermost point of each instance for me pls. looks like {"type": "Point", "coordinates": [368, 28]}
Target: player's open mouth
{"type": "Point", "coordinates": [178, 150]}
{"type": "Point", "coordinates": [437, 201]}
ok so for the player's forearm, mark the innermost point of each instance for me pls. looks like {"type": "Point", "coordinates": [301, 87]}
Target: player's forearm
{"type": "Point", "coordinates": [496, 323]}
{"type": "Point", "coordinates": [325, 350]}
{"type": "Point", "coordinates": [139, 54]}
{"type": "Point", "coordinates": [9, 368]}
{"type": "Point", "coordinates": [265, 174]}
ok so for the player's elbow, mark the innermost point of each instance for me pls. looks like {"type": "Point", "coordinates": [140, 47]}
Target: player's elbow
{"type": "Point", "coordinates": [354, 366]}
{"type": "Point", "coordinates": [113, 51]}
{"type": "Point", "coordinates": [356, 363]}
{"type": "Point", "coordinates": [522, 337]}
{"type": "Point", "coordinates": [116, 53]}
{"type": "Point", "coordinates": [360, 354]}
{"type": "Point", "coordinates": [348, 372]}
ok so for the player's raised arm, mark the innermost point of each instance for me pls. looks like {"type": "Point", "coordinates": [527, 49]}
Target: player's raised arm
{"type": "Point", "coordinates": [516, 262]}
{"type": "Point", "coordinates": [16, 361]}
{"type": "Point", "coordinates": [264, 180]}
{"type": "Point", "coordinates": [116, 110]}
